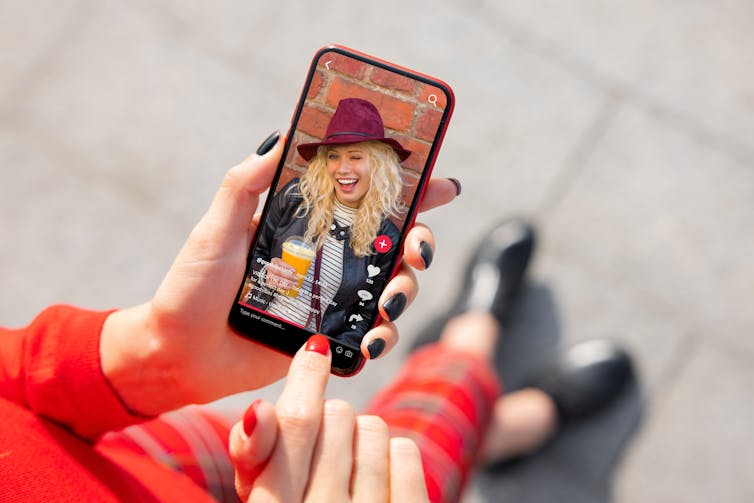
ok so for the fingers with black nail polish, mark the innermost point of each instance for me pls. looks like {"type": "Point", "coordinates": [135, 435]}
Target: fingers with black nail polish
{"type": "Point", "coordinates": [427, 253]}
{"type": "Point", "coordinates": [394, 306]}
{"type": "Point", "coordinates": [457, 184]}
{"type": "Point", "coordinates": [267, 144]}
{"type": "Point", "coordinates": [375, 348]}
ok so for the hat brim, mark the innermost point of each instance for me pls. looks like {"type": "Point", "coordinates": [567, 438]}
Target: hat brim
{"type": "Point", "coordinates": [309, 150]}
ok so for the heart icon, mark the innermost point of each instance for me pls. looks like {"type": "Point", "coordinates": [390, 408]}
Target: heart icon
{"type": "Point", "coordinates": [373, 270]}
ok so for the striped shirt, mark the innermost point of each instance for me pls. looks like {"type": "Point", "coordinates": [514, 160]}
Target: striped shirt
{"type": "Point", "coordinates": [297, 309]}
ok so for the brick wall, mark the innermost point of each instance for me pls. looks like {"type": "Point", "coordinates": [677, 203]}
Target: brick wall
{"type": "Point", "coordinates": [403, 103]}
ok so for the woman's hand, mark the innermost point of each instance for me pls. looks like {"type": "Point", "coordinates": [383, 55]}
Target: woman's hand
{"type": "Point", "coordinates": [280, 275]}
{"type": "Point", "coordinates": [306, 448]}
{"type": "Point", "coordinates": [178, 348]}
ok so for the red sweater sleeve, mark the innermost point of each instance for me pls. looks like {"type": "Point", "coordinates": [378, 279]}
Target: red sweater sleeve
{"type": "Point", "coordinates": [53, 368]}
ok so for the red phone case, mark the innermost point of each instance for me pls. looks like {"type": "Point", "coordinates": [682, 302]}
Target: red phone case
{"type": "Point", "coordinates": [415, 110]}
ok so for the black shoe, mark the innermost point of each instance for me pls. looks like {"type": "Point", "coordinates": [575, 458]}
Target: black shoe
{"type": "Point", "coordinates": [492, 278]}
{"type": "Point", "coordinates": [496, 271]}
{"type": "Point", "coordinates": [586, 378]}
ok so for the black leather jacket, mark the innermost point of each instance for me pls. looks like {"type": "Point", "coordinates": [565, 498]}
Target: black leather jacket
{"type": "Point", "coordinates": [348, 317]}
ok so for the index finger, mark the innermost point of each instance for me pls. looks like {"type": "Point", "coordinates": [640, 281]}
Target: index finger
{"type": "Point", "coordinates": [439, 191]}
{"type": "Point", "coordinates": [299, 414]}
{"type": "Point", "coordinates": [307, 378]}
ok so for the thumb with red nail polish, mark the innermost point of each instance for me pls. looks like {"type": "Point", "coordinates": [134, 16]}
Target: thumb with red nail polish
{"type": "Point", "coordinates": [251, 444]}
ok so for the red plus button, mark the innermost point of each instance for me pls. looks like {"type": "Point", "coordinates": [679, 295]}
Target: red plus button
{"type": "Point", "coordinates": [383, 243]}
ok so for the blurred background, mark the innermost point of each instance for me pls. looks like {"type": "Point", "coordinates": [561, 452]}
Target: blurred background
{"type": "Point", "coordinates": [624, 130]}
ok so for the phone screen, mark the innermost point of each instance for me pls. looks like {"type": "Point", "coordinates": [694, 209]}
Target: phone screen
{"type": "Point", "coordinates": [360, 150]}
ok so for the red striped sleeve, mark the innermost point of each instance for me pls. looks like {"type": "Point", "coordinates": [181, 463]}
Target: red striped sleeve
{"type": "Point", "coordinates": [443, 400]}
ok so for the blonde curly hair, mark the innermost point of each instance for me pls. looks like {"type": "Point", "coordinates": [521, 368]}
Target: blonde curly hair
{"type": "Point", "coordinates": [383, 197]}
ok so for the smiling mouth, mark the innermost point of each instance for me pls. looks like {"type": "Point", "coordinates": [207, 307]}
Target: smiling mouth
{"type": "Point", "coordinates": [347, 181]}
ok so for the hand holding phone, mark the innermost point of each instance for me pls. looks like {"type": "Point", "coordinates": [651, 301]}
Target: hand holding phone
{"type": "Point", "coordinates": [356, 162]}
{"type": "Point", "coordinates": [282, 276]}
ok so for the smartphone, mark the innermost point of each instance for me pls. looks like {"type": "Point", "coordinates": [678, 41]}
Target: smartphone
{"type": "Point", "coordinates": [360, 150]}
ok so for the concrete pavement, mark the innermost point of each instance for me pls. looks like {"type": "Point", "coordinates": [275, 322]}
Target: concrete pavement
{"type": "Point", "coordinates": [625, 131]}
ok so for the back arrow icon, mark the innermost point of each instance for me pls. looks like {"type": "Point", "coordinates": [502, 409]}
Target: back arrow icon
{"type": "Point", "coordinates": [327, 64]}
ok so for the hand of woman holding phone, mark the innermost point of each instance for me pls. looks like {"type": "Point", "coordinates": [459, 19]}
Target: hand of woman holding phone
{"type": "Point", "coordinates": [177, 348]}
{"type": "Point", "coordinates": [280, 275]}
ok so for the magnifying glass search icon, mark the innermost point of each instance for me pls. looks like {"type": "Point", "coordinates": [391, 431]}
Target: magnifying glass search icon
{"type": "Point", "coordinates": [432, 99]}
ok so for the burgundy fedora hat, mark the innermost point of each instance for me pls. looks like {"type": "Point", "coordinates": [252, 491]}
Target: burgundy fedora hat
{"type": "Point", "coordinates": [355, 120]}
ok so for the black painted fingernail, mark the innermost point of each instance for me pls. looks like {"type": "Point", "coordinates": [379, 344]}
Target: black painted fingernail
{"type": "Point", "coordinates": [375, 348]}
{"type": "Point", "coordinates": [457, 183]}
{"type": "Point", "coordinates": [426, 252]}
{"type": "Point", "coordinates": [394, 306]}
{"type": "Point", "coordinates": [267, 144]}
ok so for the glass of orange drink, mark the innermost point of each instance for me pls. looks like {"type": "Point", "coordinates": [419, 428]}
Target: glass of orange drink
{"type": "Point", "coordinates": [298, 253]}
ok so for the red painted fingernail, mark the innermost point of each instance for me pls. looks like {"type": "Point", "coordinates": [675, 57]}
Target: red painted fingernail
{"type": "Point", "coordinates": [250, 418]}
{"type": "Point", "coordinates": [319, 344]}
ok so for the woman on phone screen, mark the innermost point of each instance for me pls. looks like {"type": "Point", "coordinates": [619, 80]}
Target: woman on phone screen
{"type": "Point", "coordinates": [338, 214]}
